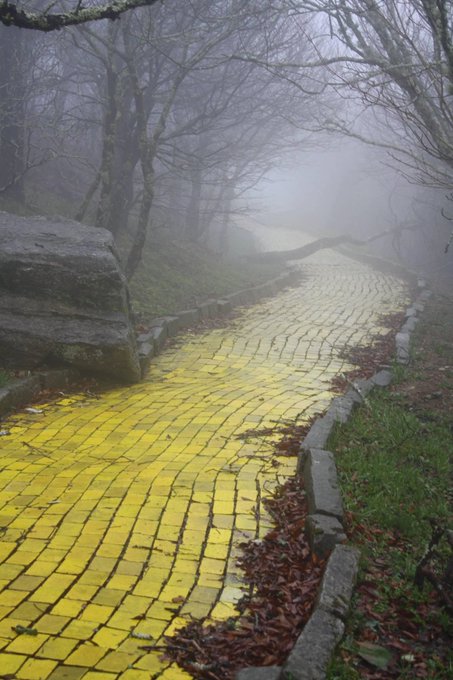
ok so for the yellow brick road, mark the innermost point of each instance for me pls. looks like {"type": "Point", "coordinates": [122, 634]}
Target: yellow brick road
{"type": "Point", "coordinates": [120, 515]}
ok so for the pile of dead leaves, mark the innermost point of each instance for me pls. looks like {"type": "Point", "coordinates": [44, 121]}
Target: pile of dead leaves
{"type": "Point", "coordinates": [370, 359]}
{"type": "Point", "coordinates": [284, 578]}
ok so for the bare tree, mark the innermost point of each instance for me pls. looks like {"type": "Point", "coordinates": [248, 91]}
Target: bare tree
{"type": "Point", "coordinates": [393, 60]}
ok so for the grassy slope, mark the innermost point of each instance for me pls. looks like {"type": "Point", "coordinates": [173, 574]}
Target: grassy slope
{"type": "Point", "coordinates": [395, 460]}
{"type": "Point", "coordinates": [175, 276]}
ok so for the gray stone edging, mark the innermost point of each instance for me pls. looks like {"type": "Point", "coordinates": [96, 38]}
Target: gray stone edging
{"type": "Point", "coordinates": [24, 390]}
{"type": "Point", "coordinates": [314, 648]}
{"type": "Point", "coordinates": [151, 342]}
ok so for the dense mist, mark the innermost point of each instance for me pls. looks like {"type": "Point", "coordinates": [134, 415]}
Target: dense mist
{"type": "Point", "coordinates": [195, 120]}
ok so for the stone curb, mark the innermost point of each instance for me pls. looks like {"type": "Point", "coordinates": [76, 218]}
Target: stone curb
{"type": "Point", "coordinates": [151, 342]}
{"type": "Point", "coordinates": [24, 390]}
{"type": "Point", "coordinates": [314, 648]}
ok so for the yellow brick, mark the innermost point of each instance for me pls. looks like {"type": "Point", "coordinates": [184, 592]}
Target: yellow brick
{"type": "Point", "coordinates": [135, 674]}
{"type": "Point", "coordinates": [196, 610]}
{"type": "Point", "coordinates": [67, 673]}
{"type": "Point", "coordinates": [52, 588]}
{"type": "Point", "coordinates": [174, 672]}
{"type": "Point", "coordinates": [204, 594]}
{"type": "Point", "coordinates": [67, 608]}
{"type": "Point", "coordinates": [117, 662]}
{"type": "Point", "coordinates": [152, 663]}
{"type": "Point", "coordinates": [36, 669]}
{"type": "Point", "coordinates": [9, 572]}
{"type": "Point", "coordinates": [218, 551]}
{"type": "Point", "coordinates": [121, 582]}
{"type": "Point", "coordinates": [41, 568]}
{"type": "Point", "coordinates": [86, 655]}
{"type": "Point", "coordinates": [50, 623]}
{"type": "Point", "coordinates": [129, 568]}
{"type": "Point", "coordinates": [11, 597]}
{"type": "Point", "coordinates": [28, 583]}
{"type": "Point", "coordinates": [109, 596]}
{"type": "Point", "coordinates": [99, 675]}
{"type": "Point", "coordinates": [97, 613]}
{"type": "Point", "coordinates": [81, 592]}
{"type": "Point", "coordinates": [26, 644]}
{"type": "Point", "coordinates": [140, 473]}
{"type": "Point", "coordinates": [10, 663]}
{"type": "Point", "coordinates": [109, 637]}
{"type": "Point", "coordinates": [57, 648]}
{"type": "Point", "coordinates": [80, 630]}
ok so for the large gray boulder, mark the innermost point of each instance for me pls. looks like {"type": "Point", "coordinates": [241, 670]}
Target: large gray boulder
{"type": "Point", "coordinates": [64, 298]}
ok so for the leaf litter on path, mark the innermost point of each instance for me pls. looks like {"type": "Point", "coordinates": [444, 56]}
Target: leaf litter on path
{"type": "Point", "coordinates": [284, 578]}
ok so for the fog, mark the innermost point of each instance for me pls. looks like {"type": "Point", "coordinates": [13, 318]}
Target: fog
{"type": "Point", "coordinates": [350, 189]}
{"type": "Point", "coordinates": [199, 123]}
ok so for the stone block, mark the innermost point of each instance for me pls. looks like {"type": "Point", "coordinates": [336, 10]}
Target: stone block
{"type": "Point", "coordinates": [318, 434]}
{"type": "Point", "coordinates": [245, 296]}
{"type": "Point", "coordinates": [145, 354]}
{"type": "Point", "coordinates": [144, 337]}
{"type": "Point", "coordinates": [313, 650]}
{"type": "Point", "coordinates": [254, 294]}
{"type": "Point", "coordinates": [338, 581]}
{"type": "Point", "coordinates": [188, 317]}
{"type": "Point", "coordinates": [256, 673]}
{"type": "Point", "coordinates": [382, 378]}
{"type": "Point", "coordinates": [278, 283]}
{"type": "Point", "coordinates": [340, 409]}
{"type": "Point", "coordinates": [321, 484]}
{"type": "Point", "coordinates": [402, 348]}
{"type": "Point", "coordinates": [409, 326]}
{"type": "Point", "coordinates": [25, 389]}
{"type": "Point", "coordinates": [208, 310]}
{"type": "Point", "coordinates": [19, 392]}
{"type": "Point", "coordinates": [265, 289]}
{"type": "Point", "coordinates": [158, 334]}
{"type": "Point", "coordinates": [361, 388]}
{"type": "Point", "coordinates": [224, 307]}
{"type": "Point", "coordinates": [171, 323]}
{"type": "Point", "coordinates": [5, 401]}
{"type": "Point", "coordinates": [324, 533]}
{"type": "Point", "coordinates": [53, 379]}
{"type": "Point", "coordinates": [234, 299]}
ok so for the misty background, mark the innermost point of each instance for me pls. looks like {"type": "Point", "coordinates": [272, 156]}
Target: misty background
{"type": "Point", "coordinates": [200, 122]}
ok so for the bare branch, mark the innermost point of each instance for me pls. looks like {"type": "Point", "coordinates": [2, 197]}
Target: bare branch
{"type": "Point", "coordinates": [12, 15]}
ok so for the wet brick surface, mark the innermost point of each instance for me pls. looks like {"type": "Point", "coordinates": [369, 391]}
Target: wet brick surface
{"type": "Point", "coordinates": [120, 515]}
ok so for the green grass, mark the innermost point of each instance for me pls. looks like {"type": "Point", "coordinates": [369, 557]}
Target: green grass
{"type": "Point", "coordinates": [175, 276]}
{"type": "Point", "coordinates": [4, 378]}
{"type": "Point", "coordinates": [394, 468]}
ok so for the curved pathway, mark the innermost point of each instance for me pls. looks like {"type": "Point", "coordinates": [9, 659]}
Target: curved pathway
{"type": "Point", "coordinates": [120, 515]}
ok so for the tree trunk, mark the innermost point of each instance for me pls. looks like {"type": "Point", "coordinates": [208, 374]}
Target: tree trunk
{"type": "Point", "coordinates": [12, 111]}
{"type": "Point", "coordinates": [135, 253]}
{"type": "Point", "coordinates": [192, 226]}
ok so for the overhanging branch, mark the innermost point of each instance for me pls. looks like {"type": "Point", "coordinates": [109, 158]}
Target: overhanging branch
{"type": "Point", "coordinates": [12, 15]}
